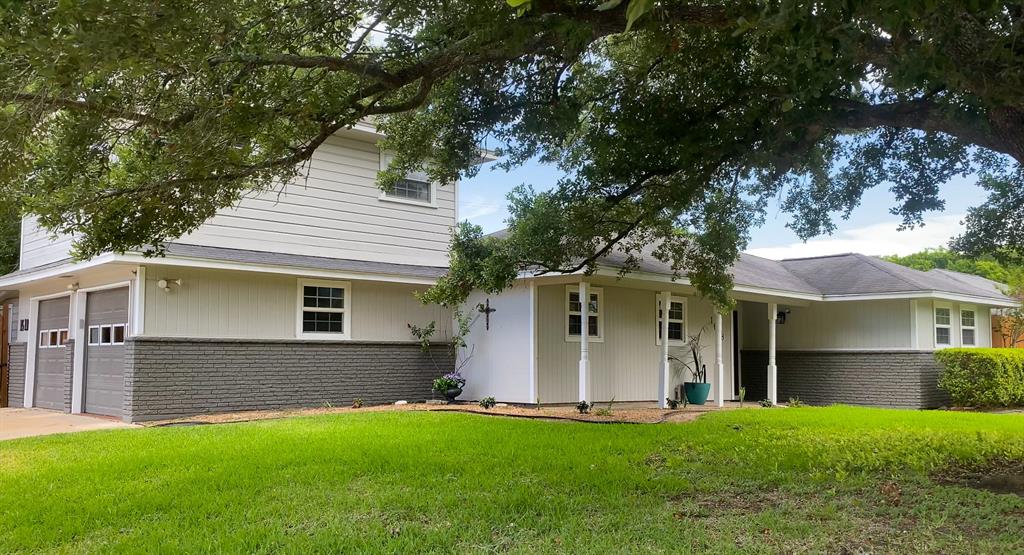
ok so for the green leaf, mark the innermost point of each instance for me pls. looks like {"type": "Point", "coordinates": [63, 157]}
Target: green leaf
{"type": "Point", "coordinates": [519, 3]}
{"type": "Point", "coordinates": [610, 4]}
{"type": "Point", "coordinates": [636, 10]}
{"type": "Point", "coordinates": [787, 105]}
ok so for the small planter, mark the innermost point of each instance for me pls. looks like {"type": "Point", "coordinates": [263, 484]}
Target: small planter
{"type": "Point", "coordinates": [452, 393]}
{"type": "Point", "coordinates": [697, 392]}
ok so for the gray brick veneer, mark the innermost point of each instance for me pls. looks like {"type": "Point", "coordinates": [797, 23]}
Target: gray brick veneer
{"type": "Point", "coordinates": [175, 377]}
{"type": "Point", "coordinates": [899, 379]}
{"type": "Point", "coordinates": [16, 385]}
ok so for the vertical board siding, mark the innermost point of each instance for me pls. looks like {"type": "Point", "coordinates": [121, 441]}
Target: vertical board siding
{"type": "Point", "coordinates": [335, 210]}
{"type": "Point", "coordinates": [225, 304]}
{"type": "Point", "coordinates": [625, 365]}
{"type": "Point", "coordinates": [883, 324]}
{"type": "Point", "coordinates": [38, 247]}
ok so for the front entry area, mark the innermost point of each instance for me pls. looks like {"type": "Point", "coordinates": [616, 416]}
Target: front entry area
{"type": "Point", "coordinates": [52, 378]}
{"type": "Point", "coordinates": [106, 321]}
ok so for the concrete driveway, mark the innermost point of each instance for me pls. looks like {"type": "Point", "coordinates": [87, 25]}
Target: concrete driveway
{"type": "Point", "coordinates": [15, 423]}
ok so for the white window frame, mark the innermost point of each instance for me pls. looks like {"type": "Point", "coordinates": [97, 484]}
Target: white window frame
{"type": "Point", "coordinates": [385, 161]}
{"type": "Point", "coordinates": [99, 334]}
{"type": "Point", "coordinates": [936, 325]}
{"type": "Point", "coordinates": [960, 315]}
{"type": "Point", "coordinates": [657, 316]}
{"type": "Point", "coordinates": [599, 338]}
{"type": "Point", "coordinates": [53, 345]}
{"type": "Point", "coordinates": [346, 311]}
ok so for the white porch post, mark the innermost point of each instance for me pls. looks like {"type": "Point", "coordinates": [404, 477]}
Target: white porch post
{"type": "Point", "coordinates": [719, 365]}
{"type": "Point", "coordinates": [773, 393]}
{"type": "Point", "coordinates": [584, 343]}
{"type": "Point", "coordinates": [666, 369]}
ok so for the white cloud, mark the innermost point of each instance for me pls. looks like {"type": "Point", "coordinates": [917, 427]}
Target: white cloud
{"type": "Point", "coordinates": [477, 207]}
{"type": "Point", "coordinates": [875, 239]}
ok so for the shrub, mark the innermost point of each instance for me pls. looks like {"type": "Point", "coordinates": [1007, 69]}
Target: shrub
{"type": "Point", "coordinates": [357, 403]}
{"type": "Point", "coordinates": [795, 402]}
{"type": "Point", "coordinates": [983, 377]}
{"type": "Point", "coordinates": [766, 403]}
{"type": "Point", "coordinates": [451, 380]}
{"type": "Point", "coordinates": [488, 402]}
{"type": "Point", "coordinates": [583, 407]}
{"type": "Point", "coordinates": [672, 403]}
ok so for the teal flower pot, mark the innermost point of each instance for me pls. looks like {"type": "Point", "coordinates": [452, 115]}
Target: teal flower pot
{"type": "Point", "coordinates": [696, 393]}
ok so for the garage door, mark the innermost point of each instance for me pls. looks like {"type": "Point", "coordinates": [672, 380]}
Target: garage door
{"type": "Point", "coordinates": [51, 378]}
{"type": "Point", "coordinates": [106, 325]}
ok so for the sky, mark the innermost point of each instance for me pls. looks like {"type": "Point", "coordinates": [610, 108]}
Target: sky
{"type": "Point", "coordinates": [871, 229]}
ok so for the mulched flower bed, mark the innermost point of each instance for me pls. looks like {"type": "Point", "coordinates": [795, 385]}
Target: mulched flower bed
{"type": "Point", "coordinates": [628, 413]}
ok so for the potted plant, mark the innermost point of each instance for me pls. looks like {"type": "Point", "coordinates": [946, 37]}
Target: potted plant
{"type": "Point", "coordinates": [698, 390]}
{"type": "Point", "coordinates": [450, 385]}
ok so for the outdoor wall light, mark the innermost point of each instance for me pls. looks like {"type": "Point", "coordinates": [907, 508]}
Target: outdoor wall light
{"type": "Point", "coordinates": [73, 286]}
{"type": "Point", "coordinates": [780, 317]}
{"type": "Point", "coordinates": [165, 284]}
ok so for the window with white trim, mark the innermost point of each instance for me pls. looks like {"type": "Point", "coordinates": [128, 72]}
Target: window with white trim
{"type": "Point", "coordinates": [968, 333]}
{"type": "Point", "coordinates": [943, 333]}
{"type": "Point", "coordinates": [676, 320]}
{"type": "Point", "coordinates": [323, 309]}
{"type": "Point", "coordinates": [415, 188]}
{"type": "Point", "coordinates": [106, 334]}
{"type": "Point", "coordinates": [574, 310]}
{"type": "Point", "coordinates": [412, 190]}
{"type": "Point", "coordinates": [52, 339]}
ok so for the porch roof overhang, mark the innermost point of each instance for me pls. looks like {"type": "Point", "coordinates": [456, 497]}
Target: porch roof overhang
{"type": "Point", "coordinates": [656, 281]}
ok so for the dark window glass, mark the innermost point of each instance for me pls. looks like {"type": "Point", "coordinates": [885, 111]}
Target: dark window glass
{"type": "Point", "coordinates": [675, 330]}
{"type": "Point", "coordinates": [593, 331]}
{"type": "Point", "coordinates": [942, 336]}
{"type": "Point", "coordinates": [323, 297]}
{"type": "Point", "coordinates": [412, 190]}
{"type": "Point", "coordinates": [119, 333]}
{"type": "Point", "coordinates": [575, 324]}
{"type": "Point", "coordinates": [323, 322]}
{"type": "Point", "coordinates": [105, 334]}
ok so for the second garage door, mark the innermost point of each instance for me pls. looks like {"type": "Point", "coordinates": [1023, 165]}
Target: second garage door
{"type": "Point", "coordinates": [106, 321]}
{"type": "Point", "coordinates": [51, 369]}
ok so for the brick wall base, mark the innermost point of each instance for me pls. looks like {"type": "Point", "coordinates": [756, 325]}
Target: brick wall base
{"type": "Point", "coordinates": [176, 377]}
{"type": "Point", "coordinates": [898, 379]}
{"type": "Point", "coordinates": [16, 385]}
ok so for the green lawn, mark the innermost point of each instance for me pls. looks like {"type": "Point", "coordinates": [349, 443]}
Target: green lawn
{"type": "Point", "coordinates": [809, 479]}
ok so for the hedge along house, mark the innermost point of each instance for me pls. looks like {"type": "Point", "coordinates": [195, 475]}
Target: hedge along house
{"type": "Point", "coordinates": [294, 297]}
{"type": "Point", "coordinates": [834, 329]}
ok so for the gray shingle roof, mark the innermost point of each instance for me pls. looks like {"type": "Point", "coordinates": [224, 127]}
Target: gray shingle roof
{"type": "Point", "coordinates": [833, 275]}
{"type": "Point", "coordinates": [302, 261]}
{"type": "Point", "coordinates": [858, 274]}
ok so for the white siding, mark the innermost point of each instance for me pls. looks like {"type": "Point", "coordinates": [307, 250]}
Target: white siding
{"type": "Point", "coordinates": [625, 366]}
{"type": "Point", "coordinates": [38, 247]}
{"type": "Point", "coordinates": [500, 363]}
{"type": "Point", "coordinates": [831, 326]}
{"type": "Point", "coordinates": [224, 304]}
{"type": "Point", "coordinates": [336, 212]}
{"type": "Point", "coordinates": [926, 324]}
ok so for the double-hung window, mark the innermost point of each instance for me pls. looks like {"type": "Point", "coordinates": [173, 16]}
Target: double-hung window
{"type": "Point", "coordinates": [943, 322]}
{"type": "Point", "coordinates": [676, 320]}
{"type": "Point", "coordinates": [574, 310]}
{"type": "Point", "coordinates": [967, 327]}
{"type": "Point", "coordinates": [416, 188]}
{"type": "Point", "coordinates": [324, 309]}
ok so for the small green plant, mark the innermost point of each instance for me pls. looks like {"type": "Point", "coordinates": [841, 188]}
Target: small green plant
{"type": "Point", "coordinates": [584, 407]}
{"type": "Point", "coordinates": [743, 395]}
{"type": "Point", "coordinates": [672, 403]}
{"type": "Point", "coordinates": [606, 411]}
{"type": "Point", "coordinates": [795, 402]}
{"type": "Point", "coordinates": [487, 403]}
{"type": "Point", "coordinates": [451, 380]}
{"type": "Point", "coordinates": [357, 403]}
{"type": "Point", "coordinates": [326, 405]}
{"type": "Point", "coordinates": [766, 403]}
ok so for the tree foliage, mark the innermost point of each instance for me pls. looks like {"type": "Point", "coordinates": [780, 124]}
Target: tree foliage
{"type": "Point", "coordinates": [130, 122]}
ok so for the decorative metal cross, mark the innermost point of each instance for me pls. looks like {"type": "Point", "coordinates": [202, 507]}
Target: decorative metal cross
{"type": "Point", "coordinates": [486, 310]}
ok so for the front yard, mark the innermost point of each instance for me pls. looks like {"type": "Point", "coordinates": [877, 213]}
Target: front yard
{"type": "Point", "coordinates": [809, 479]}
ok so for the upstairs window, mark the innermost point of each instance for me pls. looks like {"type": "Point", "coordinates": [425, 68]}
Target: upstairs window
{"type": "Point", "coordinates": [676, 320]}
{"type": "Point", "coordinates": [323, 309]}
{"type": "Point", "coordinates": [943, 336]}
{"type": "Point", "coordinates": [575, 307]}
{"type": "Point", "coordinates": [967, 327]}
{"type": "Point", "coordinates": [413, 190]}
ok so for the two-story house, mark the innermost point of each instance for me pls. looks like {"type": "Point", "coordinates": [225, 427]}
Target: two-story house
{"type": "Point", "coordinates": [298, 296]}
{"type": "Point", "coordinates": [302, 296]}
